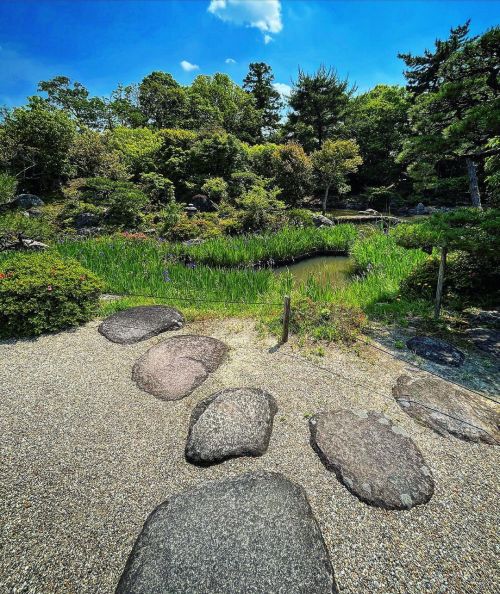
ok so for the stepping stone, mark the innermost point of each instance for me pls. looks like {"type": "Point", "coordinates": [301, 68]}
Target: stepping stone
{"type": "Point", "coordinates": [448, 409]}
{"type": "Point", "coordinates": [437, 350]}
{"type": "Point", "coordinates": [140, 323]}
{"type": "Point", "coordinates": [254, 533]}
{"type": "Point", "coordinates": [486, 339]}
{"type": "Point", "coordinates": [375, 459]}
{"type": "Point", "coordinates": [233, 422]}
{"type": "Point", "coordinates": [174, 368]}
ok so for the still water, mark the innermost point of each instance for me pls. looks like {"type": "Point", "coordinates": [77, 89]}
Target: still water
{"type": "Point", "coordinates": [327, 270]}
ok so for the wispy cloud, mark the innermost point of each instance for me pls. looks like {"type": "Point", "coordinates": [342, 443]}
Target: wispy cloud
{"type": "Point", "coordinates": [264, 15]}
{"type": "Point", "coordinates": [283, 89]}
{"type": "Point", "coordinates": [188, 67]}
{"type": "Point", "coordinates": [230, 61]}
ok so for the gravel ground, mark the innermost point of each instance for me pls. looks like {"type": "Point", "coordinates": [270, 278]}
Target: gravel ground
{"type": "Point", "coordinates": [86, 456]}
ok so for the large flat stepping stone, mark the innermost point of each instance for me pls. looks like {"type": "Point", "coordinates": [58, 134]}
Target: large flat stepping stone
{"type": "Point", "coordinates": [372, 457]}
{"type": "Point", "coordinates": [140, 323]}
{"type": "Point", "coordinates": [233, 422]}
{"type": "Point", "coordinates": [436, 350]}
{"type": "Point", "coordinates": [174, 368]}
{"type": "Point", "coordinates": [252, 534]}
{"type": "Point", "coordinates": [448, 409]}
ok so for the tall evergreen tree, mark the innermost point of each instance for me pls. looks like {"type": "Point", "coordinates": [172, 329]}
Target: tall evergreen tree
{"type": "Point", "coordinates": [318, 102]}
{"type": "Point", "coordinates": [259, 83]}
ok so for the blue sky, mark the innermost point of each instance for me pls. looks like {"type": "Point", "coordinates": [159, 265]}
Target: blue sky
{"type": "Point", "coordinates": [103, 42]}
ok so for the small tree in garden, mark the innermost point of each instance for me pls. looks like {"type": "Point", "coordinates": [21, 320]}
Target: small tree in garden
{"type": "Point", "coordinates": [333, 162]}
{"type": "Point", "coordinates": [469, 230]}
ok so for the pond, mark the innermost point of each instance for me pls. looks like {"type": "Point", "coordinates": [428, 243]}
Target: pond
{"type": "Point", "coordinates": [332, 270]}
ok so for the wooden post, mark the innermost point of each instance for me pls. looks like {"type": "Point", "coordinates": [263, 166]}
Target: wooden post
{"type": "Point", "coordinates": [439, 288]}
{"type": "Point", "coordinates": [286, 319]}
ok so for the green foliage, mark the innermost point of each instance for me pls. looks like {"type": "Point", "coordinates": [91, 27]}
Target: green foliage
{"type": "Point", "coordinates": [318, 102]}
{"type": "Point", "coordinates": [259, 206]}
{"type": "Point", "coordinates": [292, 172]}
{"type": "Point", "coordinates": [35, 141]}
{"type": "Point", "coordinates": [216, 155]}
{"type": "Point", "coordinates": [38, 228]}
{"type": "Point", "coordinates": [8, 185]}
{"type": "Point", "coordinates": [299, 217]}
{"type": "Point", "coordinates": [170, 215]}
{"type": "Point", "coordinates": [468, 279]}
{"type": "Point", "coordinates": [332, 162]}
{"type": "Point", "coordinates": [91, 156]}
{"type": "Point", "coordinates": [137, 148]}
{"type": "Point", "coordinates": [378, 121]}
{"type": "Point", "coordinates": [158, 188]}
{"type": "Point", "coordinates": [466, 229]}
{"type": "Point", "coordinates": [43, 293]}
{"type": "Point", "coordinates": [492, 170]}
{"type": "Point", "coordinates": [73, 208]}
{"type": "Point", "coordinates": [259, 82]}
{"type": "Point", "coordinates": [200, 226]}
{"type": "Point", "coordinates": [215, 188]}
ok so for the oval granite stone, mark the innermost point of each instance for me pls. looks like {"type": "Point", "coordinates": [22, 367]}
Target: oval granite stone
{"type": "Point", "coordinates": [251, 534]}
{"type": "Point", "coordinates": [233, 422]}
{"type": "Point", "coordinates": [372, 457]}
{"type": "Point", "coordinates": [140, 323]}
{"type": "Point", "coordinates": [174, 368]}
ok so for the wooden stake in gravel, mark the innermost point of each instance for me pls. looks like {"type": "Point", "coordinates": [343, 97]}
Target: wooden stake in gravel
{"type": "Point", "coordinates": [439, 288]}
{"type": "Point", "coordinates": [286, 319]}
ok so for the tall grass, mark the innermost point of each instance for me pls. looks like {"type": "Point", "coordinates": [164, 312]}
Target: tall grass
{"type": "Point", "coordinates": [144, 267]}
{"type": "Point", "coordinates": [270, 248]}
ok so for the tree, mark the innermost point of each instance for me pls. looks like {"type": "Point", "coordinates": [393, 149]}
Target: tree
{"type": "Point", "coordinates": [215, 155]}
{"type": "Point", "coordinates": [292, 172]}
{"type": "Point", "coordinates": [137, 148]}
{"type": "Point", "coordinates": [90, 156]}
{"type": "Point", "coordinates": [259, 83]}
{"type": "Point", "coordinates": [378, 121]}
{"type": "Point", "coordinates": [333, 162]}
{"type": "Point", "coordinates": [466, 230]}
{"type": "Point", "coordinates": [35, 144]}
{"type": "Point", "coordinates": [124, 105]}
{"type": "Point", "coordinates": [91, 112]}
{"type": "Point", "coordinates": [318, 101]}
{"type": "Point", "coordinates": [456, 110]}
{"type": "Point", "coordinates": [162, 100]}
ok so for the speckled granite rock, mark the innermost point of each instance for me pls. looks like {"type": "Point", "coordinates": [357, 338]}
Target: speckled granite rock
{"type": "Point", "coordinates": [448, 409]}
{"type": "Point", "coordinates": [233, 422]}
{"type": "Point", "coordinates": [140, 323]}
{"type": "Point", "coordinates": [437, 350]}
{"type": "Point", "coordinates": [372, 457]}
{"type": "Point", "coordinates": [250, 534]}
{"type": "Point", "coordinates": [174, 368]}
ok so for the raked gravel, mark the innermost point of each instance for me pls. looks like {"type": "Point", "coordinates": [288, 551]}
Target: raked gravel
{"type": "Point", "coordinates": [86, 456]}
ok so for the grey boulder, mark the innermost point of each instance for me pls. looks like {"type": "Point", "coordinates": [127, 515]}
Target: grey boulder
{"type": "Point", "coordinates": [27, 201]}
{"type": "Point", "coordinates": [436, 350]}
{"type": "Point", "coordinates": [251, 534]}
{"type": "Point", "coordinates": [174, 368]}
{"type": "Point", "coordinates": [372, 457]}
{"type": "Point", "coordinates": [448, 409]}
{"type": "Point", "coordinates": [233, 422]}
{"type": "Point", "coordinates": [140, 323]}
{"type": "Point", "coordinates": [319, 220]}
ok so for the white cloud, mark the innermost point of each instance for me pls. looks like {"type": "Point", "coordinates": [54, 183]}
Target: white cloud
{"type": "Point", "coordinates": [283, 89]}
{"type": "Point", "coordinates": [264, 15]}
{"type": "Point", "coordinates": [230, 61]}
{"type": "Point", "coordinates": [188, 67]}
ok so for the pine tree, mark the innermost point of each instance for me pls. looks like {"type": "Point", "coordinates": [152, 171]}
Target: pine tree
{"type": "Point", "coordinates": [259, 83]}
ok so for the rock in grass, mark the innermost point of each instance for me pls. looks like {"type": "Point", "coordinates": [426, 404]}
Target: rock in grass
{"type": "Point", "coordinates": [140, 323]}
{"type": "Point", "coordinates": [448, 409]}
{"type": "Point", "coordinates": [372, 457]}
{"type": "Point", "coordinates": [174, 368]}
{"type": "Point", "coordinates": [437, 350]}
{"type": "Point", "coordinates": [233, 422]}
{"type": "Point", "coordinates": [254, 533]}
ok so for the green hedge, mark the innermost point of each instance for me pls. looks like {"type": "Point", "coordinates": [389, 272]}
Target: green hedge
{"type": "Point", "coordinates": [44, 293]}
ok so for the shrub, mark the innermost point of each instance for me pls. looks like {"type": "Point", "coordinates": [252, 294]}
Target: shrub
{"type": "Point", "coordinates": [203, 226]}
{"type": "Point", "coordinates": [39, 228]}
{"type": "Point", "coordinates": [43, 293]}
{"type": "Point", "coordinates": [215, 188]}
{"type": "Point", "coordinates": [468, 279]}
{"type": "Point", "coordinates": [300, 217]}
{"type": "Point", "coordinates": [259, 206]}
{"type": "Point", "coordinates": [74, 208]}
{"type": "Point", "coordinates": [160, 189]}
{"type": "Point", "coordinates": [8, 185]}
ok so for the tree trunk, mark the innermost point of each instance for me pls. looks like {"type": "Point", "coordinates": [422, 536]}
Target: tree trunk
{"type": "Point", "coordinates": [473, 185]}
{"type": "Point", "coordinates": [325, 199]}
{"type": "Point", "coordinates": [439, 288]}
